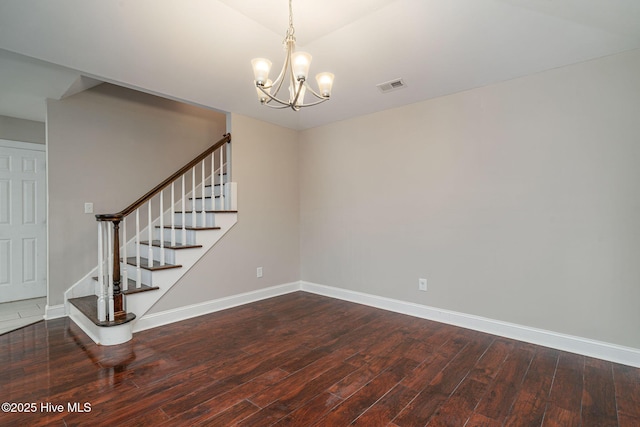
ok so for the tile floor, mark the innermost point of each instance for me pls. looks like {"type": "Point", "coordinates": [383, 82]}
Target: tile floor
{"type": "Point", "coordinates": [16, 314]}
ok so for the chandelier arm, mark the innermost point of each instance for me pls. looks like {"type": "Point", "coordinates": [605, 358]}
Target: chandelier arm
{"type": "Point", "coordinates": [314, 103]}
{"type": "Point", "coordinates": [284, 104]}
{"type": "Point", "coordinates": [292, 83]}
{"type": "Point", "coordinates": [277, 107]}
{"type": "Point", "coordinates": [295, 99]}
{"type": "Point", "coordinates": [272, 98]}
{"type": "Point", "coordinates": [280, 79]}
{"type": "Point", "coordinates": [316, 94]}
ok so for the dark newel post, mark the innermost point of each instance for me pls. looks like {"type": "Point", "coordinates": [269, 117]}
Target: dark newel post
{"type": "Point", "coordinates": [118, 306]}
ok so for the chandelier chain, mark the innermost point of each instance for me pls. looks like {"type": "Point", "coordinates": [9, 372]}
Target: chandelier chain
{"type": "Point", "coordinates": [291, 31]}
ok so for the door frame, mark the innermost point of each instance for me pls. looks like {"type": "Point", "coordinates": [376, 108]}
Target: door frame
{"type": "Point", "coordinates": [22, 145]}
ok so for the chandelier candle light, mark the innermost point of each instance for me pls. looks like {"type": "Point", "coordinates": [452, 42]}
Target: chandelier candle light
{"type": "Point", "coordinates": [296, 67]}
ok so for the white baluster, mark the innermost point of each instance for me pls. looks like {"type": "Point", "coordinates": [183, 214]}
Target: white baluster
{"type": "Point", "coordinates": [184, 211]}
{"type": "Point", "coordinates": [227, 158]}
{"type": "Point", "coordinates": [193, 197]}
{"type": "Point", "coordinates": [173, 215]}
{"type": "Point", "coordinates": [212, 178]}
{"type": "Point", "coordinates": [102, 312]}
{"type": "Point", "coordinates": [150, 236]}
{"type": "Point", "coordinates": [124, 282]}
{"type": "Point", "coordinates": [204, 209]}
{"type": "Point", "coordinates": [161, 227]}
{"type": "Point", "coordinates": [222, 207]}
{"type": "Point", "coordinates": [138, 269]}
{"type": "Point", "coordinates": [110, 269]}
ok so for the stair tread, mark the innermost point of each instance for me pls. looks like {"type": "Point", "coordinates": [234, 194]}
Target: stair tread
{"type": "Point", "coordinates": [191, 228]}
{"type": "Point", "coordinates": [200, 197]}
{"type": "Point", "coordinates": [89, 307]}
{"type": "Point", "coordinates": [168, 245]}
{"type": "Point", "coordinates": [132, 289]}
{"type": "Point", "coordinates": [144, 263]}
{"type": "Point", "coordinates": [207, 211]}
{"type": "Point", "coordinates": [143, 288]}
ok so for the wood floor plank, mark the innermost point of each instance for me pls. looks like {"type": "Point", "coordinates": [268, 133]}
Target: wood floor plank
{"type": "Point", "coordinates": [459, 407]}
{"type": "Point", "coordinates": [627, 383]}
{"type": "Point", "coordinates": [423, 380]}
{"type": "Point", "coordinates": [355, 381]}
{"type": "Point", "coordinates": [456, 410]}
{"type": "Point", "coordinates": [503, 391]}
{"type": "Point", "coordinates": [438, 390]}
{"type": "Point", "coordinates": [311, 411]}
{"type": "Point", "coordinates": [532, 398]}
{"type": "Point", "coordinates": [479, 420]}
{"type": "Point", "coordinates": [599, 396]}
{"type": "Point", "coordinates": [565, 400]}
{"type": "Point", "coordinates": [430, 367]}
{"type": "Point", "coordinates": [287, 396]}
{"type": "Point", "coordinates": [556, 416]}
{"type": "Point", "coordinates": [387, 408]}
{"type": "Point", "coordinates": [216, 403]}
{"type": "Point", "coordinates": [625, 420]}
{"type": "Point", "coordinates": [231, 416]}
{"type": "Point", "coordinates": [346, 412]}
{"type": "Point", "coordinates": [489, 365]}
{"type": "Point", "coordinates": [302, 360]}
{"type": "Point", "coordinates": [293, 383]}
{"type": "Point", "coordinates": [147, 419]}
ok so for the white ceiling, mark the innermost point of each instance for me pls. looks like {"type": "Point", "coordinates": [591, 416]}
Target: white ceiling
{"type": "Point", "coordinates": [199, 51]}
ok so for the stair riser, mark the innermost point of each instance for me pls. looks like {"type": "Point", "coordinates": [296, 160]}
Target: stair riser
{"type": "Point", "coordinates": [209, 205]}
{"type": "Point", "coordinates": [209, 219]}
{"type": "Point", "coordinates": [208, 191]}
{"type": "Point", "coordinates": [166, 235]}
{"type": "Point", "coordinates": [169, 254]}
{"type": "Point", "coordinates": [217, 179]}
{"type": "Point", "coordinates": [146, 276]}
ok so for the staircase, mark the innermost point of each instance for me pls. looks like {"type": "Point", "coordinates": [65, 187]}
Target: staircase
{"type": "Point", "coordinates": [170, 228]}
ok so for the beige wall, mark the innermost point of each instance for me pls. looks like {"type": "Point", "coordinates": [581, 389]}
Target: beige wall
{"type": "Point", "coordinates": [22, 130]}
{"type": "Point", "coordinates": [109, 146]}
{"type": "Point", "coordinates": [265, 167]}
{"type": "Point", "coordinates": [518, 201]}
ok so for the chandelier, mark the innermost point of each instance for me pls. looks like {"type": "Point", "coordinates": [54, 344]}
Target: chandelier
{"type": "Point", "coordinates": [295, 70]}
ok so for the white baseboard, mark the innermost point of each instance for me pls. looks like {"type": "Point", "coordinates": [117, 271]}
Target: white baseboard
{"type": "Point", "coordinates": [584, 346]}
{"type": "Point", "coordinates": [182, 313]}
{"type": "Point", "coordinates": [54, 312]}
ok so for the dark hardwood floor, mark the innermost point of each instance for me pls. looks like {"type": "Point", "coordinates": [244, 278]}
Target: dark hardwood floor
{"type": "Point", "coordinates": [307, 360]}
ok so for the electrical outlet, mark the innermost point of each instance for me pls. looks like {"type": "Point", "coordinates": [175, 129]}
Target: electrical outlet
{"type": "Point", "coordinates": [88, 208]}
{"type": "Point", "coordinates": [422, 284]}
{"type": "Point", "coordinates": [259, 272]}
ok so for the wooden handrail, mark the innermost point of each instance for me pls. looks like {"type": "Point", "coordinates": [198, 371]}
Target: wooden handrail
{"type": "Point", "coordinates": [142, 200]}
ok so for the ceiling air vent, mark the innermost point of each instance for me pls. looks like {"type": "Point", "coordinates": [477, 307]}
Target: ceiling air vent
{"type": "Point", "coordinates": [391, 85]}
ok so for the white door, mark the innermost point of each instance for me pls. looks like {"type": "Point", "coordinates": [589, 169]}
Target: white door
{"type": "Point", "coordinates": [23, 230]}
